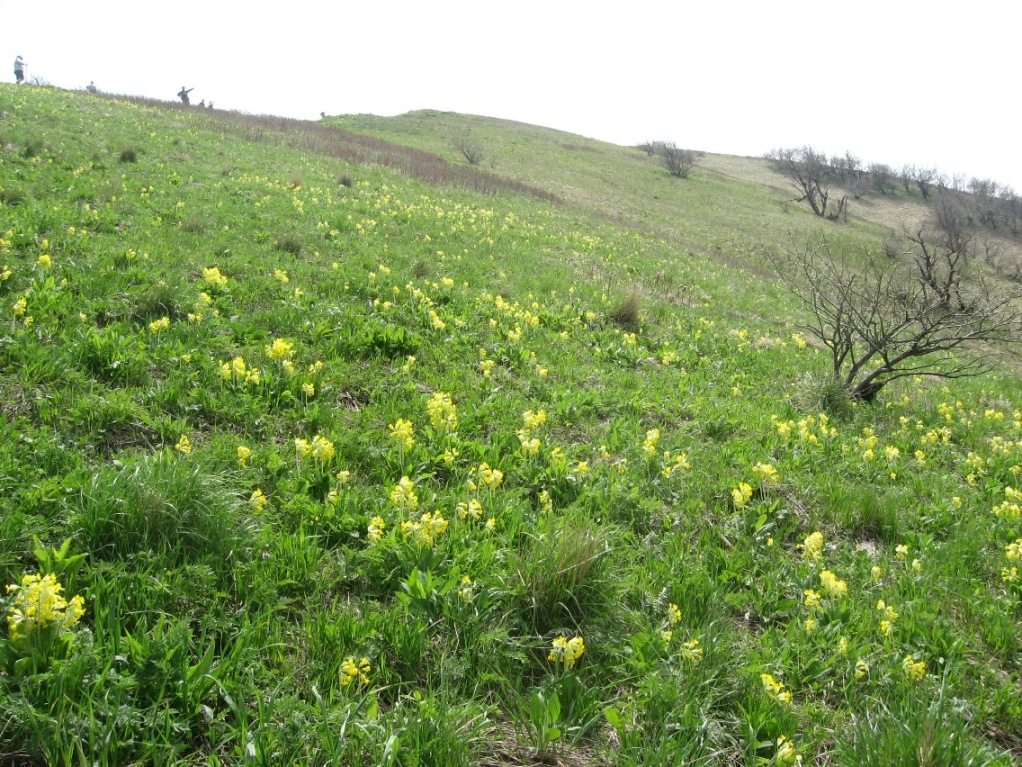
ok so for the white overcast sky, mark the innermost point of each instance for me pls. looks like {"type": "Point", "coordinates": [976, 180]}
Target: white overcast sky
{"type": "Point", "coordinates": [928, 83]}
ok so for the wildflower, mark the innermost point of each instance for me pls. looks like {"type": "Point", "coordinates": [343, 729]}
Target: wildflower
{"type": "Point", "coordinates": [409, 364]}
{"type": "Point", "coordinates": [184, 445]}
{"type": "Point", "coordinates": [1009, 574]}
{"type": "Point", "coordinates": [443, 414]}
{"type": "Point", "coordinates": [403, 431]}
{"type": "Point", "coordinates": [546, 503]}
{"type": "Point", "coordinates": [376, 528]}
{"type": "Point", "coordinates": [861, 669]}
{"type": "Point", "coordinates": [279, 349]}
{"type": "Point", "coordinates": [38, 605]}
{"type": "Point", "coordinates": [875, 572]}
{"type": "Point", "coordinates": [812, 599]}
{"type": "Point", "coordinates": [834, 587]}
{"type": "Point", "coordinates": [1013, 551]}
{"type": "Point", "coordinates": [742, 494]}
{"type": "Point", "coordinates": [472, 509]}
{"type": "Point", "coordinates": [351, 671]}
{"type": "Point", "coordinates": [45, 261]}
{"type": "Point", "coordinates": [465, 589]}
{"type": "Point", "coordinates": [650, 443]}
{"type": "Point", "coordinates": [403, 495]}
{"type": "Point", "coordinates": [810, 625]}
{"type": "Point", "coordinates": [343, 476]}
{"type": "Point", "coordinates": [309, 389]}
{"type": "Point", "coordinates": [901, 551]}
{"type": "Point", "coordinates": [914, 671]}
{"type": "Point", "coordinates": [258, 501]}
{"type": "Point", "coordinates": [566, 651]}
{"type": "Point", "coordinates": [786, 755]}
{"type": "Point", "coordinates": [812, 546]}
{"type": "Point", "coordinates": [491, 525]}
{"type": "Point", "coordinates": [214, 278]}
{"type": "Point", "coordinates": [303, 447]}
{"type": "Point", "coordinates": [281, 276]}
{"type": "Point", "coordinates": [842, 646]}
{"type": "Point", "coordinates": [243, 455]}
{"type": "Point", "coordinates": [427, 529]}
{"type": "Point", "coordinates": [767, 474]}
{"type": "Point", "coordinates": [673, 614]}
{"type": "Point", "coordinates": [917, 565]}
{"type": "Point", "coordinates": [161, 324]}
{"type": "Point", "coordinates": [775, 689]}
{"type": "Point", "coordinates": [691, 651]}
{"type": "Point", "coordinates": [486, 367]}
{"type": "Point", "coordinates": [322, 449]}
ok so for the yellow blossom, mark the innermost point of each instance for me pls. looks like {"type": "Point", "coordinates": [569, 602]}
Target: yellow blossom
{"type": "Point", "coordinates": [566, 651]}
{"type": "Point", "coordinates": [351, 671]}
{"type": "Point", "coordinates": [403, 431]}
{"type": "Point", "coordinates": [812, 546]}
{"type": "Point", "coordinates": [39, 605]}
{"type": "Point", "coordinates": [243, 455]}
{"type": "Point", "coordinates": [673, 614]}
{"type": "Point", "coordinates": [835, 588]}
{"type": "Point", "coordinates": [258, 501]}
{"type": "Point", "coordinates": [913, 670]}
{"type": "Point", "coordinates": [741, 495]}
{"type": "Point", "coordinates": [691, 651]}
{"type": "Point", "coordinates": [279, 349]}
{"type": "Point", "coordinates": [376, 527]}
{"type": "Point", "coordinates": [184, 445]}
{"type": "Point", "coordinates": [767, 474]}
{"type": "Point", "coordinates": [161, 324]}
{"type": "Point", "coordinates": [214, 278]}
{"type": "Point", "coordinates": [403, 495]}
{"type": "Point", "coordinates": [775, 689]}
{"type": "Point", "coordinates": [443, 414]}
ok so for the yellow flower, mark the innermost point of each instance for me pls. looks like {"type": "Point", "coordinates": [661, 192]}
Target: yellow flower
{"type": "Point", "coordinates": [650, 443]}
{"type": "Point", "coordinates": [566, 651]}
{"type": "Point", "coordinates": [214, 278]}
{"type": "Point", "coordinates": [835, 588]}
{"type": "Point", "coordinates": [258, 501]}
{"type": "Point", "coordinates": [741, 495]}
{"type": "Point", "coordinates": [913, 670]}
{"type": "Point", "coordinates": [243, 455]}
{"type": "Point", "coordinates": [691, 651]}
{"type": "Point", "coordinates": [775, 689]}
{"type": "Point", "coordinates": [766, 474]}
{"type": "Point", "coordinates": [376, 527]}
{"type": "Point", "coordinates": [403, 495]}
{"type": "Point", "coordinates": [443, 414]}
{"type": "Point", "coordinates": [673, 614]}
{"type": "Point", "coordinates": [785, 754]}
{"type": "Point", "coordinates": [161, 324]}
{"type": "Point", "coordinates": [38, 604]}
{"type": "Point", "coordinates": [404, 432]}
{"type": "Point", "coordinates": [281, 276]}
{"type": "Point", "coordinates": [465, 590]}
{"type": "Point", "coordinates": [812, 599]}
{"type": "Point", "coordinates": [279, 349]}
{"type": "Point", "coordinates": [45, 261]}
{"type": "Point", "coordinates": [901, 551]}
{"type": "Point", "coordinates": [322, 449]}
{"type": "Point", "coordinates": [184, 445]}
{"type": "Point", "coordinates": [20, 307]}
{"type": "Point", "coordinates": [351, 671]}
{"type": "Point", "coordinates": [861, 669]}
{"type": "Point", "coordinates": [309, 389]}
{"type": "Point", "coordinates": [812, 546]}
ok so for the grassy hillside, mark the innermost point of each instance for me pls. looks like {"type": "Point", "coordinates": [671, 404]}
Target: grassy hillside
{"type": "Point", "coordinates": [320, 450]}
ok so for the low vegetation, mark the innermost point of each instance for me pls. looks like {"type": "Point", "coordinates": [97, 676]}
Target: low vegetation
{"type": "Point", "coordinates": [309, 458]}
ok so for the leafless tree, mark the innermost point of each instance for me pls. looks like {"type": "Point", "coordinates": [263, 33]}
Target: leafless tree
{"type": "Point", "coordinates": [943, 250]}
{"type": "Point", "coordinates": [470, 148]}
{"type": "Point", "coordinates": [677, 161]}
{"type": "Point", "coordinates": [808, 172]}
{"type": "Point", "coordinates": [881, 177]}
{"type": "Point", "coordinates": [924, 178]}
{"type": "Point", "coordinates": [881, 323]}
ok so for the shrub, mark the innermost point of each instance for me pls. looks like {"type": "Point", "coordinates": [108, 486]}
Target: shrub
{"type": "Point", "coordinates": [627, 313]}
{"type": "Point", "coordinates": [128, 155]}
{"type": "Point", "coordinates": [289, 243]}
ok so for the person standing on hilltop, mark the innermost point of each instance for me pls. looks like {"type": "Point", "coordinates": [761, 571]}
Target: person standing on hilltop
{"type": "Point", "coordinates": [183, 95]}
{"type": "Point", "coordinates": [19, 70]}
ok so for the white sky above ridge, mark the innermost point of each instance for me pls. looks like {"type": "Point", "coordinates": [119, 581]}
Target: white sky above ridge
{"type": "Point", "coordinates": [900, 81]}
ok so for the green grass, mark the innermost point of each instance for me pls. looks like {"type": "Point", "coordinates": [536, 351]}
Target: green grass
{"type": "Point", "coordinates": [275, 571]}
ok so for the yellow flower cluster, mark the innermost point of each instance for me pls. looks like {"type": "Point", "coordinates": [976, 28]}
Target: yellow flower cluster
{"type": "Point", "coordinates": [184, 445]}
{"type": "Point", "coordinates": [443, 414]}
{"type": "Point", "coordinates": [835, 588]}
{"type": "Point", "coordinates": [161, 324]}
{"type": "Point", "coordinates": [650, 443]}
{"type": "Point", "coordinates": [531, 421]}
{"type": "Point", "coordinates": [914, 670]}
{"type": "Point", "coordinates": [890, 615]}
{"type": "Point", "coordinates": [786, 755]}
{"type": "Point", "coordinates": [237, 371]}
{"type": "Point", "coordinates": [1010, 507]}
{"type": "Point", "coordinates": [39, 605]}
{"type": "Point", "coordinates": [404, 432]}
{"type": "Point", "coordinates": [214, 278]}
{"type": "Point", "coordinates": [775, 689]}
{"type": "Point", "coordinates": [279, 349]}
{"type": "Point", "coordinates": [567, 651]}
{"type": "Point", "coordinates": [766, 474]}
{"type": "Point", "coordinates": [376, 527]}
{"type": "Point", "coordinates": [812, 546]}
{"type": "Point", "coordinates": [351, 671]}
{"type": "Point", "coordinates": [403, 495]}
{"type": "Point", "coordinates": [258, 501]}
{"type": "Point", "coordinates": [465, 591]}
{"type": "Point", "coordinates": [427, 529]}
{"type": "Point", "coordinates": [472, 509]}
{"type": "Point", "coordinates": [741, 495]}
{"type": "Point", "coordinates": [321, 449]}
{"type": "Point", "coordinates": [243, 455]}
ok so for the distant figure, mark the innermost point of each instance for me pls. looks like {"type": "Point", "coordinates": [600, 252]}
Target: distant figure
{"type": "Point", "coordinates": [19, 70]}
{"type": "Point", "coordinates": [322, 115]}
{"type": "Point", "coordinates": [202, 104]}
{"type": "Point", "coordinates": [183, 94]}
{"type": "Point", "coordinates": [91, 87]}
{"type": "Point", "coordinates": [210, 104]}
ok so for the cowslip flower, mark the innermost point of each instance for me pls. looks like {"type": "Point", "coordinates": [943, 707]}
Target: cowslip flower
{"type": "Point", "coordinates": [214, 278]}
{"type": "Point", "coordinates": [741, 495]}
{"type": "Point", "coordinates": [403, 495]}
{"type": "Point", "coordinates": [767, 474]}
{"type": "Point", "coordinates": [835, 588]}
{"type": "Point", "coordinates": [465, 589]}
{"type": "Point", "coordinates": [812, 546]}
{"type": "Point", "coordinates": [258, 501]}
{"type": "Point", "coordinates": [566, 651]}
{"type": "Point", "coordinates": [650, 443]}
{"type": "Point", "coordinates": [443, 414]}
{"type": "Point", "coordinates": [184, 445]}
{"type": "Point", "coordinates": [691, 651]}
{"type": "Point", "coordinates": [38, 605]}
{"type": "Point", "coordinates": [403, 431]}
{"type": "Point", "coordinates": [377, 525]}
{"type": "Point", "coordinates": [913, 670]}
{"type": "Point", "coordinates": [161, 324]}
{"type": "Point", "coordinates": [775, 689]}
{"type": "Point", "coordinates": [351, 671]}
{"type": "Point", "coordinates": [279, 349]}
{"type": "Point", "coordinates": [243, 455]}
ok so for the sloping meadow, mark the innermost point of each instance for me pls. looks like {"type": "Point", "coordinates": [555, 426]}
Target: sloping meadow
{"type": "Point", "coordinates": [304, 461]}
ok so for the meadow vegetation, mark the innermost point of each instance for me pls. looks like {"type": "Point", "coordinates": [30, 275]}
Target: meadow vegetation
{"type": "Point", "coordinates": [312, 455]}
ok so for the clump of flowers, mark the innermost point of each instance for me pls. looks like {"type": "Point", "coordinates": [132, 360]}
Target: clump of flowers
{"type": "Point", "coordinates": [913, 670]}
{"type": "Point", "coordinates": [775, 689]}
{"type": "Point", "coordinates": [403, 432]}
{"type": "Point", "coordinates": [786, 755]}
{"type": "Point", "coordinates": [443, 414]}
{"type": "Point", "coordinates": [351, 671]}
{"type": "Point", "coordinates": [321, 449]}
{"type": "Point", "coordinates": [426, 529]}
{"type": "Point", "coordinates": [766, 474]}
{"type": "Point", "coordinates": [157, 325]}
{"type": "Point", "coordinates": [39, 606]}
{"type": "Point", "coordinates": [280, 349]}
{"type": "Point", "coordinates": [238, 372]}
{"type": "Point", "coordinates": [812, 546]}
{"type": "Point", "coordinates": [832, 585]}
{"type": "Point", "coordinates": [741, 495]}
{"type": "Point", "coordinates": [376, 527]}
{"type": "Point", "coordinates": [889, 617]}
{"type": "Point", "coordinates": [566, 651]}
{"type": "Point", "coordinates": [244, 453]}
{"type": "Point", "coordinates": [465, 590]}
{"type": "Point", "coordinates": [214, 278]}
{"type": "Point", "coordinates": [258, 501]}
{"type": "Point", "coordinates": [650, 443]}
{"type": "Point", "coordinates": [184, 445]}
{"type": "Point", "coordinates": [403, 495]}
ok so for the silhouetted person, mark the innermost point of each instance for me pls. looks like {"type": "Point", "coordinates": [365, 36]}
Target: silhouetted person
{"type": "Point", "coordinates": [183, 94]}
{"type": "Point", "coordinates": [202, 104]}
{"type": "Point", "coordinates": [210, 104]}
{"type": "Point", "coordinates": [19, 70]}
{"type": "Point", "coordinates": [91, 87]}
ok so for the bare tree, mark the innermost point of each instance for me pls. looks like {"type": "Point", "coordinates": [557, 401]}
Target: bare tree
{"type": "Point", "coordinates": [808, 171]}
{"type": "Point", "coordinates": [677, 161]}
{"type": "Point", "coordinates": [881, 323]}
{"type": "Point", "coordinates": [942, 255]}
{"type": "Point", "coordinates": [471, 149]}
{"type": "Point", "coordinates": [924, 179]}
{"type": "Point", "coordinates": [881, 177]}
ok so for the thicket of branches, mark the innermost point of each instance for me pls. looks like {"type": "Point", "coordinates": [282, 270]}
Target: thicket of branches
{"type": "Point", "coordinates": [885, 318]}
{"type": "Point", "coordinates": [675, 160]}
